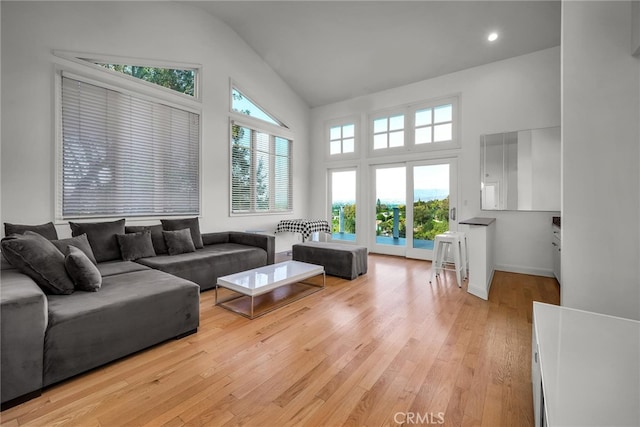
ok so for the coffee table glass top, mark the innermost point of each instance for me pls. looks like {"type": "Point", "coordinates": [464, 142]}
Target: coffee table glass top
{"type": "Point", "coordinates": [264, 279]}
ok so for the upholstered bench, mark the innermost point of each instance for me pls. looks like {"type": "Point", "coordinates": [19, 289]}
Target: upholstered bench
{"type": "Point", "coordinates": [346, 261]}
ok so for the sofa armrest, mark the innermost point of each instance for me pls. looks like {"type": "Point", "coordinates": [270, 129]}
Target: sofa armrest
{"type": "Point", "coordinates": [23, 322]}
{"type": "Point", "coordinates": [264, 241]}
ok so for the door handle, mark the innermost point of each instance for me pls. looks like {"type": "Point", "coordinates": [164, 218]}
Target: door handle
{"type": "Point", "coordinates": [453, 214]}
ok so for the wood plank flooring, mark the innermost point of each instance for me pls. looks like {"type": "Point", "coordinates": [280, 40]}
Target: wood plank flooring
{"type": "Point", "coordinates": [385, 349]}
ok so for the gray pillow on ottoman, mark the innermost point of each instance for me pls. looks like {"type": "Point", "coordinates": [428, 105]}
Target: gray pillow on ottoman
{"type": "Point", "coordinates": [38, 258]}
{"type": "Point", "coordinates": [47, 230]}
{"type": "Point", "coordinates": [179, 224]}
{"type": "Point", "coordinates": [179, 241]}
{"type": "Point", "coordinates": [83, 272]}
{"type": "Point", "coordinates": [102, 237]}
{"type": "Point", "coordinates": [134, 246]}
{"type": "Point", "coordinates": [81, 242]}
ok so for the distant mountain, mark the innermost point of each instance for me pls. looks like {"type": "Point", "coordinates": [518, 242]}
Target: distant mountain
{"type": "Point", "coordinates": [431, 194]}
{"type": "Point", "coordinates": [420, 194]}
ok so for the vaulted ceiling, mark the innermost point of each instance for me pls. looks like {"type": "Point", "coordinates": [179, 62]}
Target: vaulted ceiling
{"type": "Point", "coordinates": [328, 51]}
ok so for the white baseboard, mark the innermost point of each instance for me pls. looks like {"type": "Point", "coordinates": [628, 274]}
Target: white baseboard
{"type": "Point", "coordinates": [524, 270]}
{"type": "Point", "coordinates": [480, 291]}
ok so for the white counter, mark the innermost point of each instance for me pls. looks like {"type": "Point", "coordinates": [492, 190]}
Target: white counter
{"type": "Point", "coordinates": [589, 366]}
{"type": "Point", "coordinates": [480, 234]}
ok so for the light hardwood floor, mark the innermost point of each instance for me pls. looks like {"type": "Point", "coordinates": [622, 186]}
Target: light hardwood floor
{"type": "Point", "coordinates": [383, 349]}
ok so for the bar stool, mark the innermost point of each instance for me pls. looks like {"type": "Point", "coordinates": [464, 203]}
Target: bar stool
{"type": "Point", "coordinates": [451, 242]}
{"type": "Point", "coordinates": [464, 257]}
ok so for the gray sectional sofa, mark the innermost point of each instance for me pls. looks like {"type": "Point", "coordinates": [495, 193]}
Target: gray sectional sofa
{"type": "Point", "coordinates": [47, 338]}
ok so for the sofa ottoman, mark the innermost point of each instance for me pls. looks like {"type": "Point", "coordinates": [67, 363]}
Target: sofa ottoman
{"type": "Point", "coordinates": [338, 259]}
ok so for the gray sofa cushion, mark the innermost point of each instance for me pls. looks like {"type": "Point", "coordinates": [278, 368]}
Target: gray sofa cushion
{"type": "Point", "coordinates": [179, 224]}
{"type": "Point", "coordinates": [132, 311]}
{"type": "Point", "coordinates": [179, 241]}
{"type": "Point", "coordinates": [102, 237]}
{"type": "Point", "coordinates": [157, 238]}
{"type": "Point", "coordinates": [111, 268]}
{"type": "Point", "coordinates": [38, 258]}
{"type": "Point", "coordinates": [81, 242]}
{"type": "Point", "coordinates": [135, 245]}
{"type": "Point", "coordinates": [85, 275]}
{"type": "Point", "coordinates": [204, 266]}
{"type": "Point", "coordinates": [47, 230]}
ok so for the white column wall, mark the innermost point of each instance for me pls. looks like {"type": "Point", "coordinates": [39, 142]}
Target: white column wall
{"type": "Point", "coordinates": [600, 159]}
{"type": "Point", "coordinates": [168, 31]}
{"type": "Point", "coordinates": [514, 94]}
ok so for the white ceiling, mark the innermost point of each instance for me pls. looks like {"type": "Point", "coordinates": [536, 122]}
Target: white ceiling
{"type": "Point", "coordinates": [328, 51]}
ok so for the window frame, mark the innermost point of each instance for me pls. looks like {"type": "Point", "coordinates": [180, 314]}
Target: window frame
{"type": "Point", "coordinates": [123, 84]}
{"type": "Point", "coordinates": [341, 122]}
{"type": "Point", "coordinates": [329, 184]}
{"type": "Point", "coordinates": [252, 124]}
{"type": "Point", "coordinates": [281, 131]}
{"type": "Point", "coordinates": [87, 62]}
{"type": "Point", "coordinates": [409, 111]}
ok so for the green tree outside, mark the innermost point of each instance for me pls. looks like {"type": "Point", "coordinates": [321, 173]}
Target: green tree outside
{"type": "Point", "coordinates": [182, 81]}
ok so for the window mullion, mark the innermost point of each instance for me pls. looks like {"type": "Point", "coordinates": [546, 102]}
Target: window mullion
{"type": "Point", "coordinates": [254, 172]}
{"type": "Point", "coordinates": [272, 172]}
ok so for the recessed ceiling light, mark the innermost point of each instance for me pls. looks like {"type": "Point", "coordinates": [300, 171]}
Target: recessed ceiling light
{"type": "Point", "coordinates": [492, 37]}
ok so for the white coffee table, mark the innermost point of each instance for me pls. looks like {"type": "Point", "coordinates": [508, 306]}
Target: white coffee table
{"type": "Point", "coordinates": [288, 277]}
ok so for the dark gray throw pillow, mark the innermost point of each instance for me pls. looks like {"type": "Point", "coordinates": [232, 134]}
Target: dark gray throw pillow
{"type": "Point", "coordinates": [81, 242]}
{"type": "Point", "coordinates": [179, 224]}
{"type": "Point", "coordinates": [38, 258]}
{"type": "Point", "coordinates": [85, 275]}
{"type": "Point", "coordinates": [179, 241]}
{"type": "Point", "coordinates": [47, 230]}
{"type": "Point", "coordinates": [102, 237]}
{"type": "Point", "coordinates": [134, 246]}
{"type": "Point", "coordinates": [157, 238]}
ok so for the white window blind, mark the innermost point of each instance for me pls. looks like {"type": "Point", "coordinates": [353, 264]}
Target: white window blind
{"type": "Point", "coordinates": [124, 155]}
{"type": "Point", "coordinates": [261, 178]}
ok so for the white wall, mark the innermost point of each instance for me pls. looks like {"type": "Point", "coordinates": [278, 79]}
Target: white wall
{"type": "Point", "coordinates": [151, 30]}
{"type": "Point", "coordinates": [519, 93]}
{"type": "Point", "coordinates": [600, 153]}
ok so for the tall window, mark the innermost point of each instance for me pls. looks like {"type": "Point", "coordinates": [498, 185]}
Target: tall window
{"type": "Point", "coordinates": [261, 178]}
{"type": "Point", "coordinates": [343, 204]}
{"type": "Point", "coordinates": [126, 155]}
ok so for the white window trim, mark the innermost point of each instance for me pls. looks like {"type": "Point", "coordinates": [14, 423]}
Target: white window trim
{"type": "Point", "coordinates": [120, 84]}
{"type": "Point", "coordinates": [409, 111]}
{"type": "Point", "coordinates": [81, 62]}
{"type": "Point", "coordinates": [343, 121]}
{"type": "Point", "coordinates": [261, 126]}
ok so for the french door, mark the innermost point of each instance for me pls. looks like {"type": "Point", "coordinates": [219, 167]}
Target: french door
{"type": "Point", "coordinates": [414, 201]}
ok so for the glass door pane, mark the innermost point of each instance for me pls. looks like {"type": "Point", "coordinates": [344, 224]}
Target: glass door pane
{"type": "Point", "coordinates": [433, 201]}
{"type": "Point", "coordinates": [430, 204]}
{"type": "Point", "coordinates": [390, 209]}
{"type": "Point", "coordinates": [343, 205]}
